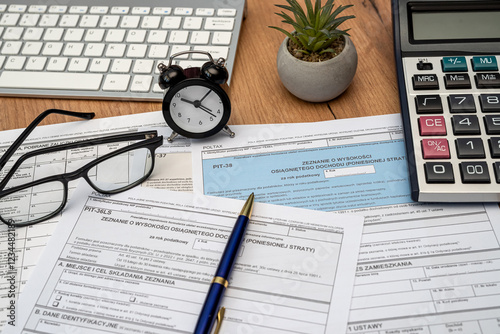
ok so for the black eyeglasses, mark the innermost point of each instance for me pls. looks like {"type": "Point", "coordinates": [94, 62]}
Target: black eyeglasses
{"type": "Point", "coordinates": [29, 196]}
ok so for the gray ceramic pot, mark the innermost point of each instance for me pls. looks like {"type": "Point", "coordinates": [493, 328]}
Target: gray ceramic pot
{"type": "Point", "coordinates": [318, 81]}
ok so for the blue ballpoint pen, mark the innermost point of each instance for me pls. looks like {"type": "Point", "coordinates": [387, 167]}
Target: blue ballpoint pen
{"type": "Point", "coordinates": [219, 282]}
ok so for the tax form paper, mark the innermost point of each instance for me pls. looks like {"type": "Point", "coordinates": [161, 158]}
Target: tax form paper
{"type": "Point", "coordinates": [141, 262]}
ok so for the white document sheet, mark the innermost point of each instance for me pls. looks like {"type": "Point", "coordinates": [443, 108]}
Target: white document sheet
{"type": "Point", "coordinates": [172, 171]}
{"type": "Point", "coordinates": [422, 268]}
{"type": "Point", "coordinates": [141, 262]}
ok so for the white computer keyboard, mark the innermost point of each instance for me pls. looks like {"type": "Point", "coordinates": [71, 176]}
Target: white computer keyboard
{"type": "Point", "coordinates": [87, 49]}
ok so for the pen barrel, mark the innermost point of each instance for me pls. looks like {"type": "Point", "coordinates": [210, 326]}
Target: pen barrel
{"type": "Point", "coordinates": [232, 248]}
{"type": "Point", "coordinates": [215, 293]}
{"type": "Point", "coordinates": [210, 308]}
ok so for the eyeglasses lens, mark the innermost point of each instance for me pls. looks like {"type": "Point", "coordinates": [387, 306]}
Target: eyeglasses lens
{"type": "Point", "coordinates": [33, 203]}
{"type": "Point", "coordinates": [121, 171]}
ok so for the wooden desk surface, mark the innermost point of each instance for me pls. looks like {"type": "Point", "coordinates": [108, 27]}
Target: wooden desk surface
{"type": "Point", "coordinates": [257, 95]}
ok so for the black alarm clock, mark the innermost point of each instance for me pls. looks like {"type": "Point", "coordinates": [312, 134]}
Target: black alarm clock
{"type": "Point", "coordinates": [194, 103]}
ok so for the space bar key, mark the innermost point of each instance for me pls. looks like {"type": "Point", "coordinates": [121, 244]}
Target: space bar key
{"type": "Point", "coordinates": [51, 80]}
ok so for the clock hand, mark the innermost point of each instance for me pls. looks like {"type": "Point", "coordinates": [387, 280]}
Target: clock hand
{"type": "Point", "coordinates": [209, 91]}
{"type": "Point", "coordinates": [205, 109]}
{"type": "Point", "coordinates": [184, 100]}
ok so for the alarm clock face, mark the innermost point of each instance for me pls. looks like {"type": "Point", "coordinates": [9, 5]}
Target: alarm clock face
{"type": "Point", "coordinates": [196, 108]}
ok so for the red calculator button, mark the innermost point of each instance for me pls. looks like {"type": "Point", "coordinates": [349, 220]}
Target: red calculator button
{"type": "Point", "coordinates": [436, 148]}
{"type": "Point", "coordinates": [432, 126]}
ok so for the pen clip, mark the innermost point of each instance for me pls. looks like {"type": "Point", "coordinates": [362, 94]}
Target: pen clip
{"type": "Point", "coordinates": [220, 317]}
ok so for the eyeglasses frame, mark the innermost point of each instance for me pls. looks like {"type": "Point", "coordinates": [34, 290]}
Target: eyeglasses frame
{"type": "Point", "coordinates": [151, 141]}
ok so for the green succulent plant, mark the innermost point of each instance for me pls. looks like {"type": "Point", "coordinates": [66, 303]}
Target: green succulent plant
{"type": "Point", "coordinates": [316, 28]}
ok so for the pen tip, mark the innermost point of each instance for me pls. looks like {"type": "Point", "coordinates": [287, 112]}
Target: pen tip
{"type": "Point", "coordinates": [247, 208]}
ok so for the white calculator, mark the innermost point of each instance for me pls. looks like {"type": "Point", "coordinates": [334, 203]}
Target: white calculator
{"type": "Point", "coordinates": [447, 60]}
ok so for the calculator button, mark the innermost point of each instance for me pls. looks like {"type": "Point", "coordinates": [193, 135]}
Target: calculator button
{"type": "Point", "coordinates": [494, 147]}
{"type": "Point", "coordinates": [454, 64]}
{"type": "Point", "coordinates": [492, 123]}
{"type": "Point", "coordinates": [490, 102]}
{"type": "Point", "coordinates": [425, 81]}
{"type": "Point", "coordinates": [421, 66]}
{"type": "Point", "coordinates": [436, 148]}
{"type": "Point", "coordinates": [488, 80]}
{"type": "Point", "coordinates": [487, 63]}
{"type": "Point", "coordinates": [470, 148]}
{"type": "Point", "coordinates": [457, 81]}
{"type": "Point", "coordinates": [428, 104]}
{"type": "Point", "coordinates": [461, 103]}
{"type": "Point", "coordinates": [432, 126]}
{"type": "Point", "coordinates": [496, 167]}
{"type": "Point", "coordinates": [439, 172]}
{"type": "Point", "coordinates": [474, 172]}
{"type": "Point", "coordinates": [465, 125]}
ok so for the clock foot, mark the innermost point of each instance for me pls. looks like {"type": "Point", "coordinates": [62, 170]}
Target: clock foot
{"type": "Point", "coordinates": [172, 136]}
{"type": "Point", "coordinates": [227, 130]}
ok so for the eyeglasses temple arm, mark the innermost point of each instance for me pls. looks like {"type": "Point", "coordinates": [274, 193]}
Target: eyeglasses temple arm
{"type": "Point", "coordinates": [15, 145]}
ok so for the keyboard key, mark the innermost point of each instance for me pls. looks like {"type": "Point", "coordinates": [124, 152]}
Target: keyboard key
{"type": "Point", "coordinates": [143, 66]}
{"type": "Point", "coordinates": [115, 50]}
{"type": "Point", "coordinates": [116, 82]}
{"type": "Point", "coordinates": [205, 12]}
{"type": "Point", "coordinates": [219, 23]}
{"type": "Point", "coordinates": [463, 103]}
{"type": "Point", "coordinates": [192, 23]}
{"type": "Point", "coordinates": [17, 8]}
{"type": "Point", "coordinates": [141, 83]}
{"type": "Point", "coordinates": [109, 21]}
{"type": "Point", "coordinates": [11, 48]}
{"type": "Point", "coordinates": [15, 63]}
{"type": "Point", "coordinates": [171, 22]}
{"type": "Point", "coordinates": [58, 9]}
{"type": "Point", "coordinates": [29, 20]}
{"type": "Point", "coordinates": [178, 37]}
{"type": "Point", "coordinates": [13, 34]}
{"type": "Point", "coordinates": [121, 65]}
{"type": "Point", "coordinates": [73, 49]}
{"type": "Point", "coordinates": [57, 64]}
{"type": "Point", "coordinates": [9, 19]}
{"type": "Point", "coordinates": [222, 38]}
{"type": "Point", "coordinates": [432, 126]}
{"type": "Point", "coordinates": [74, 35]}
{"type": "Point", "coordinates": [200, 37]}
{"type": "Point", "coordinates": [137, 51]}
{"type": "Point", "coordinates": [53, 34]}
{"type": "Point", "coordinates": [69, 21]}
{"type": "Point", "coordinates": [157, 37]}
{"type": "Point", "coordinates": [490, 102]}
{"type": "Point", "coordinates": [457, 81]}
{"type": "Point", "coordinates": [89, 21]}
{"type": "Point", "coordinates": [94, 50]}
{"type": "Point", "coordinates": [226, 12]}
{"type": "Point", "coordinates": [78, 9]}
{"type": "Point", "coordinates": [486, 63]}
{"type": "Point", "coordinates": [158, 51]}
{"type": "Point", "coordinates": [151, 22]}
{"type": "Point", "coordinates": [488, 80]}
{"type": "Point", "coordinates": [120, 10]}
{"type": "Point", "coordinates": [162, 10]}
{"type": "Point", "coordinates": [454, 64]}
{"type": "Point", "coordinates": [52, 49]}
{"type": "Point", "coordinates": [424, 81]}
{"type": "Point", "coordinates": [428, 104]}
{"type": "Point", "coordinates": [37, 9]}
{"type": "Point", "coordinates": [215, 51]}
{"type": "Point", "coordinates": [183, 11]}
{"type": "Point", "coordinates": [49, 20]}
{"type": "Point", "coordinates": [474, 172]}
{"type": "Point", "coordinates": [99, 9]}
{"type": "Point", "coordinates": [130, 22]}
{"type": "Point", "coordinates": [115, 35]}
{"type": "Point", "coordinates": [78, 64]}
{"type": "Point", "coordinates": [439, 172]}
{"type": "Point", "coordinates": [140, 10]}
{"type": "Point", "coordinates": [435, 148]}
{"type": "Point", "coordinates": [32, 48]}
{"type": "Point", "coordinates": [94, 35]}
{"type": "Point", "coordinates": [50, 80]}
{"type": "Point", "coordinates": [136, 36]}
{"type": "Point", "coordinates": [494, 143]}
{"type": "Point", "coordinates": [99, 65]}
{"type": "Point", "coordinates": [492, 124]}
{"type": "Point", "coordinates": [469, 148]}
{"type": "Point", "coordinates": [36, 63]}
{"type": "Point", "coordinates": [465, 125]}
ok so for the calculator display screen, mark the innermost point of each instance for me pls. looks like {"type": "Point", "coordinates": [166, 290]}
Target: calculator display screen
{"type": "Point", "coordinates": [455, 25]}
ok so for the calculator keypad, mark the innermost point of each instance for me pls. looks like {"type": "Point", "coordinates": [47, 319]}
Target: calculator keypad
{"type": "Point", "coordinates": [454, 108]}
